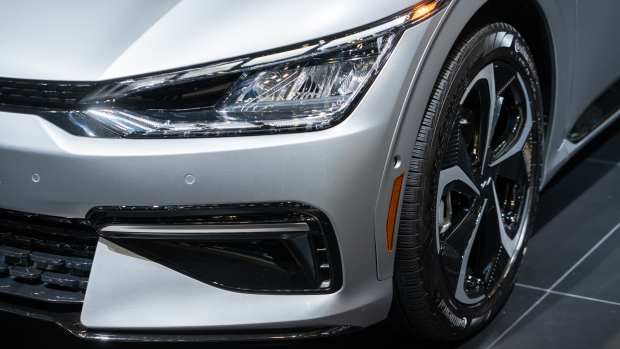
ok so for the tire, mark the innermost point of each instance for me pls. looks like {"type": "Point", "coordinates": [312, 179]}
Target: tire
{"type": "Point", "coordinates": [427, 301]}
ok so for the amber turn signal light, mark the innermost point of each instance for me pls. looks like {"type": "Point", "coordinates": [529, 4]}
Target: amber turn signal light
{"type": "Point", "coordinates": [424, 10]}
{"type": "Point", "coordinates": [393, 211]}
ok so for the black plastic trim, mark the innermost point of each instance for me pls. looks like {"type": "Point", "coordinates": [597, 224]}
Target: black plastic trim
{"type": "Point", "coordinates": [68, 318]}
{"type": "Point", "coordinates": [45, 258]}
{"type": "Point", "coordinates": [273, 213]}
{"type": "Point", "coordinates": [597, 113]}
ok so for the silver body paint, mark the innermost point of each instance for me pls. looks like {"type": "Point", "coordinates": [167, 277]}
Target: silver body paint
{"type": "Point", "coordinates": [346, 171]}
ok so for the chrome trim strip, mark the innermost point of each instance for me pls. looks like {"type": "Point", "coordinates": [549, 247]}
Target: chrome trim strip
{"type": "Point", "coordinates": [150, 230]}
{"type": "Point", "coordinates": [279, 56]}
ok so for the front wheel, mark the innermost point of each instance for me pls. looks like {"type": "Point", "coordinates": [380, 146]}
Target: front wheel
{"type": "Point", "coordinates": [472, 188]}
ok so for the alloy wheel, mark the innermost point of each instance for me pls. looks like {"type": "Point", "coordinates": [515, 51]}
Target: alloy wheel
{"type": "Point", "coordinates": [485, 184]}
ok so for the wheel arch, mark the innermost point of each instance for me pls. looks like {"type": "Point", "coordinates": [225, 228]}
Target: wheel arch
{"type": "Point", "coordinates": [529, 18]}
{"type": "Point", "coordinates": [460, 19]}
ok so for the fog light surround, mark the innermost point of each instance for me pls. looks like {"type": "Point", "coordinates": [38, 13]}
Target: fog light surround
{"type": "Point", "coordinates": [267, 248]}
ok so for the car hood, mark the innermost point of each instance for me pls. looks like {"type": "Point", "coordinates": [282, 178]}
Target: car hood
{"type": "Point", "coordinates": [87, 40]}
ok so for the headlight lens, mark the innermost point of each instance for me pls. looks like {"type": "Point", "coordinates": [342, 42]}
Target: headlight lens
{"type": "Point", "coordinates": [311, 94]}
{"type": "Point", "coordinates": [310, 87]}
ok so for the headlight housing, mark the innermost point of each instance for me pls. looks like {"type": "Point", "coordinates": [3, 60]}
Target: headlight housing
{"type": "Point", "coordinates": [308, 87]}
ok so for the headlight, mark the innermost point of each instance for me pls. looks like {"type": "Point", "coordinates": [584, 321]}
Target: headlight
{"type": "Point", "coordinates": [309, 87]}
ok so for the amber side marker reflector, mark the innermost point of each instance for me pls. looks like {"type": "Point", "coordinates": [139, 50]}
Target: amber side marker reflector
{"type": "Point", "coordinates": [393, 211]}
{"type": "Point", "coordinates": [424, 10]}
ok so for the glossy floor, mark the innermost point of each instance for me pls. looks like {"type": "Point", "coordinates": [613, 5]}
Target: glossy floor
{"type": "Point", "coordinates": [568, 292]}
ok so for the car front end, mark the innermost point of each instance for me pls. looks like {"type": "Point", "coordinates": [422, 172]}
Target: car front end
{"type": "Point", "coordinates": [180, 187]}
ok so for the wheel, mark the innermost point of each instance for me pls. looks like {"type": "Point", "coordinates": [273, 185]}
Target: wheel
{"type": "Point", "coordinates": [471, 188]}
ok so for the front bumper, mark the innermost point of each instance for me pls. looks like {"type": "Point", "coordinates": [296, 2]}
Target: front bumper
{"type": "Point", "coordinates": [342, 171]}
{"type": "Point", "coordinates": [128, 292]}
{"type": "Point", "coordinates": [69, 320]}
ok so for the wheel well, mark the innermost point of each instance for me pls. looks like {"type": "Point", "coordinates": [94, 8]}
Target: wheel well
{"type": "Point", "coordinates": [530, 21]}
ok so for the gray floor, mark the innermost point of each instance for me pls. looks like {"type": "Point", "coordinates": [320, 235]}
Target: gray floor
{"type": "Point", "coordinates": [568, 292]}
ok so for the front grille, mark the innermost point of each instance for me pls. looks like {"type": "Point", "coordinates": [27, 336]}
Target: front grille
{"type": "Point", "coordinates": [57, 95]}
{"type": "Point", "coordinates": [45, 258]}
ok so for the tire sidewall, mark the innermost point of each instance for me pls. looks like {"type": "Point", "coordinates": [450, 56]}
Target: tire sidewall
{"type": "Point", "coordinates": [487, 45]}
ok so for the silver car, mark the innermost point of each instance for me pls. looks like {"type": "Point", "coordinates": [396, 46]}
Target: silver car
{"type": "Point", "coordinates": [247, 170]}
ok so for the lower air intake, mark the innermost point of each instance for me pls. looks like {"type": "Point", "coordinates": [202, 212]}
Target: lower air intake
{"type": "Point", "coordinates": [262, 248]}
{"type": "Point", "coordinates": [43, 258]}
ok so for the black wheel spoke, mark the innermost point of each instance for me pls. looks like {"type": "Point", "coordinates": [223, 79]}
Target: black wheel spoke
{"type": "Point", "coordinates": [462, 241]}
{"type": "Point", "coordinates": [483, 89]}
{"type": "Point", "coordinates": [454, 183]}
{"type": "Point", "coordinates": [516, 125]}
{"type": "Point", "coordinates": [504, 78]}
{"type": "Point", "coordinates": [491, 258]}
{"type": "Point", "coordinates": [509, 242]}
{"type": "Point", "coordinates": [513, 168]}
{"type": "Point", "coordinates": [457, 238]}
{"type": "Point", "coordinates": [458, 152]}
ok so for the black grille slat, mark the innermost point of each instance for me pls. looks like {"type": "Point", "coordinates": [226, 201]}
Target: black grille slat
{"type": "Point", "coordinates": [43, 94]}
{"type": "Point", "coordinates": [45, 261]}
{"type": "Point", "coordinates": [64, 281]}
{"type": "Point", "coordinates": [15, 256]}
{"type": "Point", "coordinates": [45, 258]}
{"type": "Point", "coordinates": [25, 274]}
